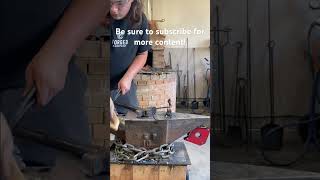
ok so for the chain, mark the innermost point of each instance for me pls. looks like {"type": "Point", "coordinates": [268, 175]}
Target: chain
{"type": "Point", "coordinates": [127, 152]}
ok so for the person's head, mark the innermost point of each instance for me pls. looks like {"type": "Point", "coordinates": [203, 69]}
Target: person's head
{"type": "Point", "coordinates": [131, 9]}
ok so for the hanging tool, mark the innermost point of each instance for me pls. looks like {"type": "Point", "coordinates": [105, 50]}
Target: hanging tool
{"type": "Point", "coordinates": [234, 128]}
{"type": "Point", "coordinates": [184, 102]}
{"type": "Point", "coordinates": [179, 73]}
{"type": "Point", "coordinates": [274, 141]}
{"type": "Point", "coordinates": [248, 74]}
{"type": "Point", "coordinates": [194, 103]}
{"type": "Point", "coordinates": [220, 44]}
{"type": "Point", "coordinates": [187, 90]}
{"type": "Point", "coordinates": [170, 63]}
{"type": "Point", "coordinates": [311, 138]}
{"type": "Point", "coordinates": [206, 101]}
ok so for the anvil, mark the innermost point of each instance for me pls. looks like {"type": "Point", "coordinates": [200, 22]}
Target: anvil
{"type": "Point", "coordinates": [151, 132]}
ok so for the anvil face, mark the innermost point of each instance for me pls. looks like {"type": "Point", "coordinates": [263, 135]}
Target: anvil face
{"type": "Point", "coordinates": [152, 132]}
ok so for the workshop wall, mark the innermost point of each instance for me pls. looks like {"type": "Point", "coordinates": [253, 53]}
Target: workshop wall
{"type": "Point", "coordinates": [186, 14]}
{"type": "Point", "coordinates": [179, 56]}
{"type": "Point", "coordinates": [289, 23]}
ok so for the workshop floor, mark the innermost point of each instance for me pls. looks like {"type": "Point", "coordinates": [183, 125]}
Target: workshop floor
{"type": "Point", "coordinates": [250, 162]}
{"type": "Point", "coordinates": [200, 160]}
{"type": "Point", "coordinates": [199, 155]}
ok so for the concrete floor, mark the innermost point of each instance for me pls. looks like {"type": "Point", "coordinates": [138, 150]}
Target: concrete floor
{"type": "Point", "coordinates": [200, 160]}
{"type": "Point", "coordinates": [250, 163]}
{"type": "Point", "coordinates": [199, 155]}
{"type": "Point", "coordinates": [228, 171]}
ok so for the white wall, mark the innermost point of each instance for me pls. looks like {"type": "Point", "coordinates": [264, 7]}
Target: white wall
{"type": "Point", "coordinates": [188, 14]}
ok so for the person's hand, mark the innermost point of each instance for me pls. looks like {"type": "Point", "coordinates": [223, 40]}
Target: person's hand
{"type": "Point", "coordinates": [114, 122]}
{"type": "Point", "coordinates": [47, 72]}
{"type": "Point", "coordinates": [124, 85]}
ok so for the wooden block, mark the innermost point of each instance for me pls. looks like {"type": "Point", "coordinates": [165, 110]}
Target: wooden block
{"type": "Point", "coordinates": [147, 172]}
{"type": "Point", "coordinates": [120, 172]}
{"type": "Point", "coordinates": [168, 172]}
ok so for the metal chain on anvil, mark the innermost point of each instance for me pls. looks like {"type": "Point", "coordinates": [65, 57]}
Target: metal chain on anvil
{"type": "Point", "coordinates": [127, 152]}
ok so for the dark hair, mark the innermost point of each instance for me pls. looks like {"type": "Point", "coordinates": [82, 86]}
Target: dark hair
{"type": "Point", "coordinates": [136, 14]}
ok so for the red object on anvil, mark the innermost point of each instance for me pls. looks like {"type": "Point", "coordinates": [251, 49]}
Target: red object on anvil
{"type": "Point", "coordinates": [198, 136]}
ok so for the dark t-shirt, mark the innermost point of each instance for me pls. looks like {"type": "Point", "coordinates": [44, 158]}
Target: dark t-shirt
{"type": "Point", "coordinates": [123, 51]}
{"type": "Point", "coordinates": [25, 26]}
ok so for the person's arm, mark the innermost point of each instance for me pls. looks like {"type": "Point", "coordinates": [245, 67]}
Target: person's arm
{"type": "Point", "coordinates": [137, 64]}
{"type": "Point", "coordinates": [48, 69]}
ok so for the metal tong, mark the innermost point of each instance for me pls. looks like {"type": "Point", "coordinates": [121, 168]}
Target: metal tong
{"type": "Point", "coordinates": [117, 95]}
{"type": "Point", "coordinates": [27, 101]}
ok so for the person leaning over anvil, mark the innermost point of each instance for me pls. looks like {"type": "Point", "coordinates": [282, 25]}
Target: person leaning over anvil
{"type": "Point", "coordinates": [40, 38]}
{"type": "Point", "coordinates": [127, 59]}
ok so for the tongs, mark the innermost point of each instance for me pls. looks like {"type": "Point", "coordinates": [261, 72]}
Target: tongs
{"type": "Point", "coordinates": [26, 103]}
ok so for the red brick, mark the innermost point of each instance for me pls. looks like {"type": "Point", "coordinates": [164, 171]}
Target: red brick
{"type": "Point", "coordinates": [97, 67]}
{"type": "Point", "coordinates": [155, 77]}
{"type": "Point", "coordinates": [95, 115]}
{"type": "Point", "coordinates": [155, 97]}
{"type": "Point", "coordinates": [144, 103]}
{"type": "Point", "coordinates": [150, 82]}
{"type": "Point", "coordinates": [152, 103]}
{"type": "Point", "coordinates": [145, 77]}
{"type": "Point", "coordinates": [159, 81]}
{"type": "Point", "coordinates": [139, 97]}
{"type": "Point", "coordinates": [146, 98]}
{"type": "Point", "coordinates": [100, 131]}
{"type": "Point", "coordinates": [98, 142]}
{"type": "Point", "coordinates": [142, 82]}
{"type": "Point", "coordinates": [137, 77]}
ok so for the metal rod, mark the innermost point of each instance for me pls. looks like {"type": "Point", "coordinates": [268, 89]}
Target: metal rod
{"type": "Point", "coordinates": [248, 74]}
{"type": "Point", "coordinates": [271, 54]}
{"type": "Point", "coordinates": [187, 70]}
{"type": "Point", "coordinates": [194, 75]}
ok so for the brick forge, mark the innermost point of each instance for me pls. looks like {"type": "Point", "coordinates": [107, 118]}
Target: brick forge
{"type": "Point", "coordinates": [92, 58]}
{"type": "Point", "coordinates": [155, 88]}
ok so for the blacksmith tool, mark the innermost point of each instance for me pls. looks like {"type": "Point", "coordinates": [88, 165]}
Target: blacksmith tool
{"type": "Point", "coordinates": [184, 101]}
{"type": "Point", "coordinates": [117, 95]}
{"type": "Point", "coordinates": [179, 72]}
{"type": "Point", "coordinates": [94, 158]}
{"type": "Point", "coordinates": [194, 103]}
{"type": "Point", "coordinates": [274, 141]}
{"type": "Point", "coordinates": [141, 112]}
{"type": "Point", "coordinates": [26, 103]}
